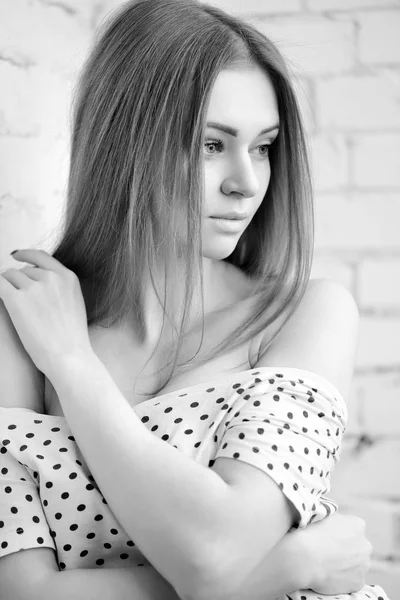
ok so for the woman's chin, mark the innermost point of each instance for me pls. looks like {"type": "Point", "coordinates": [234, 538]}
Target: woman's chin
{"type": "Point", "coordinates": [219, 252]}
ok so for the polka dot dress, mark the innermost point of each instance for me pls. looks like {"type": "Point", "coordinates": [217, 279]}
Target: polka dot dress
{"type": "Point", "coordinates": [286, 422]}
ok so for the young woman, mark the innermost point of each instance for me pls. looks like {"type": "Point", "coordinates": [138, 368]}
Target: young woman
{"type": "Point", "coordinates": [144, 422]}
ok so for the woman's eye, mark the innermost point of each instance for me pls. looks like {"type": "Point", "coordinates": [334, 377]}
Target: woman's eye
{"type": "Point", "coordinates": [264, 149]}
{"type": "Point", "coordinates": [213, 146]}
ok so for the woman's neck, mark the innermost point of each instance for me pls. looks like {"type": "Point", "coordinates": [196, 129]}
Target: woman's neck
{"type": "Point", "coordinates": [214, 294]}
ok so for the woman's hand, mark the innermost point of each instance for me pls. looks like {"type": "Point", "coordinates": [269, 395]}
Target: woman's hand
{"type": "Point", "coordinates": [46, 306]}
{"type": "Point", "coordinates": [338, 552]}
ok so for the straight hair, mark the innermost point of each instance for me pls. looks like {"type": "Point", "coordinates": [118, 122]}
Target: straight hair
{"type": "Point", "coordinates": [136, 180]}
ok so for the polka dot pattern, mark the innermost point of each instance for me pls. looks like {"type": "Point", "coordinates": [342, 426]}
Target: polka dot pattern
{"type": "Point", "coordinates": [287, 422]}
{"type": "Point", "coordinates": [268, 432]}
{"type": "Point", "coordinates": [47, 496]}
{"type": "Point", "coordinates": [368, 592]}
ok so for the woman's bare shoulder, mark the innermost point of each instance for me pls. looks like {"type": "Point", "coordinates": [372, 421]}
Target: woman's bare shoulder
{"type": "Point", "coordinates": [320, 336]}
{"type": "Point", "coordinates": [21, 382]}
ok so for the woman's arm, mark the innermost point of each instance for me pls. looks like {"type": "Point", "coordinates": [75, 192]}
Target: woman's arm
{"type": "Point", "coordinates": [332, 556]}
{"type": "Point", "coordinates": [321, 336]}
{"type": "Point", "coordinates": [21, 383]}
{"type": "Point", "coordinates": [34, 574]}
{"type": "Point", "coordinates": [22, 386]}
{"type": "Point", "coordinates": [186, 517]}
{"type": "Point", "coordinates": [203, 513]}
{"type": "Point", "coordinates": [183, 516]}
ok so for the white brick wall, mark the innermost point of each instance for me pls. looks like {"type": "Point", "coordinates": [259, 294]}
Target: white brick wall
{"type": "Point", "coordinates": [39, 104]}
{"type": "Point", "coordinates": [358, 221]}
{"type": "Point", "coordinates": [379, 343]}
{"type": "Point", "coordinates": [359, 102]}
{"type": "Point", "coordinates": [379, 37]}
{"type": "Point", "coordinates": [331, 163]}
{"type": "Point", "coordinates": [383, 526]}
{"type": "Point", "coordinates": [255, 7]}
{"type": "Point", "coordinates": [44, 34]}
{"type": "Point", "coordinates": [348, 5]}
{"type": "Point", "coordinates": [345, 57]}
{"type": "Point", "coordinates": [369, 171]}
{"type": "Point", "coordinates": [375, 397]}
{"type": "Point", "coordinates": [369, 469]}
{"type": "Point", "coordinates": [339, 270]}
{"type": "Point", "coordinates": [313, 44]}
{"type": "Point", "coordinates": [379, 284]}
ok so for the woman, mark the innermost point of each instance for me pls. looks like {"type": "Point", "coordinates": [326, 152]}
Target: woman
{"type": "Point", "coordinates": [183, 269]}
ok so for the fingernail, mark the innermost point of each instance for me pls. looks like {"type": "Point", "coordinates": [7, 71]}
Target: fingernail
{"type": "Point", "coordinates": [14, 251]}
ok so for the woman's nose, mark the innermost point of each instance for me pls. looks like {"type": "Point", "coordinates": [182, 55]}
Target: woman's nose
{"type": "Point", "coordinates": [241, 179]}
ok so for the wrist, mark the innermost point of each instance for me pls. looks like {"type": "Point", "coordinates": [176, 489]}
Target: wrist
{"type": "Point", "coordinates": [301, 556]}
{"type": "Point", "coordinates": [69, 366]}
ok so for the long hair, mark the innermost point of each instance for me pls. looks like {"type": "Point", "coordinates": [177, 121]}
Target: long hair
{"type": "Point", "coordinates": [135, 190]}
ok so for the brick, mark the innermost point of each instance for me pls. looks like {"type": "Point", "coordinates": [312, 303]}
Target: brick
{"type": "Point", "coordinates": [329, 162]}
{"type": "Point", "coordinates": [354, 408]}
{"type": "Point", "coordinates": [257, 7]}
{"type": "Point", "coordinates": [33, 182]}
{"type": "Point", "coordinates": [326, 267]}
{"type": "Point", "coordinates": [313, 44]}
{"type": "Point", "coordinates": [353, 426]}
{"type": "Point", "coordinates": [379, 284]}
{"type": "Point", "coordinates": [370, 171]}
{"type": "Point", "coordinates": [357, 103]}
{"type": "Point", "coordinates": [99, 12]}
{"type": "Point", "coordinates": [39, 102]}
{"type": "Point", "coordinates": [28, 224]}
{"type": "Point", "coordinates": [382, 524]}
{"type": "Point", "coordinates": [43, 163]}
{"type": "Point", "coordinates": [20, 156]}
{"type": "Point", "coordinates": [74, 7]}
{"type": "Point", "coordinates": [349, 5]}
{"type": "Point", "coordinates": [379, 37]}
{"type": "Point", "coordinates": [364, 221]}
{"type": "Point", "coordinates": [36, 33]}
{"type": "Point", "coordinates": [367, 471]}
{"type": "Point", "coordinates": [15, 110]}
{"type": "Point", "coordinates": [21, 225]}
{"type": "Point", "coordinates": [377, 396]}
{"type": "Point", "coordinates": [379, 343]}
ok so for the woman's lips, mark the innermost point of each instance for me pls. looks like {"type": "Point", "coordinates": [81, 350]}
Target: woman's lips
{"type": "Point", "coordinates": [228, 225]}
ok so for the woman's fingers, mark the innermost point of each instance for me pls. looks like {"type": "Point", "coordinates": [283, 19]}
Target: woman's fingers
{"type": "Point", "coordinates": [17, 279]}
{"type": "Point", "coordinates": [45, 303]}
{"type": "Point", "coordinates": [6, 287]}
{"type": "Point", "coordinates": [39, 258]}
{"type": "Point", "coordinates": [34, 273]}
{"type": "Point", "coordinates": [22, 278]}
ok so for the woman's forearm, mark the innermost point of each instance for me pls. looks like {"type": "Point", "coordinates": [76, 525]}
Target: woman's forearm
{"type": "Point", "coordinates": [284, 570]}
{"type": "Point", "coordinates": [141, 583]}
{"type": "Point", "coordinates": [180, 513]}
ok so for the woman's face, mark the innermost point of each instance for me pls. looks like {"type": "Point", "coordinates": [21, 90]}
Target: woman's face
{"type": "Point", "coordinates": [242, 122]}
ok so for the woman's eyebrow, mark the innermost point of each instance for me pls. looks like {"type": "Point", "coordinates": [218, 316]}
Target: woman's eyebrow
{"type": "Point", "coordinates": [235, 132]}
